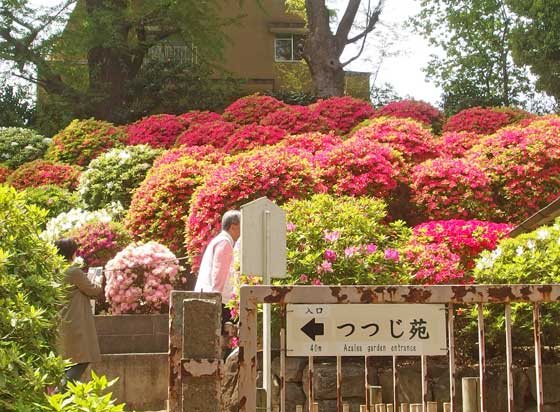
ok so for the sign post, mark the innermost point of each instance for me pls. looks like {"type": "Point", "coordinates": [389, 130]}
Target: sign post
{"type": "Point", "coordinates": [263, 253]}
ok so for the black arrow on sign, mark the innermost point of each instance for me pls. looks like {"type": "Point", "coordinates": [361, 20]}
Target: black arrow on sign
{"type": "Point", "coordinates": [313, 329]}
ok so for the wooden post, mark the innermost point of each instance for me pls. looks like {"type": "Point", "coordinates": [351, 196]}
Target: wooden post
{"type": "Point", "coordinates": [380, 407]}
{"type": "Point", "coordinates": [446, 406]}
{"type": "Point", "coordinates": [315, 407]}
{"type": "Point", "coordinates": [390, 407]}
{"type": "Point", "coordinates": [345, 408]}
{"type": "Point", "coordinates": [375, 395]}
{"type": "Point", "coordinates": [431, 406]}
{"type": "Point", "coordinates": [405, 407]}
{"type": "Point", "coordinates": [471, 394]}
{"type": "Point", "coordinates": [299, 408]}
{"type": "Point", "coordinates": [415, 407]}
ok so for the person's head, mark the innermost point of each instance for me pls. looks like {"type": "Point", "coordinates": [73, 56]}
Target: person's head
{"type": "Point", "coordinates": [67, 248]}
{"type": "Point", "coordinates": [231, 223]}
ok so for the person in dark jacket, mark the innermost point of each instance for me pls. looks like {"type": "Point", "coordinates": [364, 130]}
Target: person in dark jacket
{"type": "Point", "coordinates": [77, 340]}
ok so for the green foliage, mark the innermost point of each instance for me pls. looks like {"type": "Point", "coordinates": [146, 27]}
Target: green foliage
{"type": "Point", "coordinates": [30, 298]}
{"type": "Point", "coordinates": [16, 109]}
{"type": "Point", "coordinates": [53, 199]}
{"type": "Point", "coordinates": [355, 230]}
{"type": "Point", "coordinates": [19, 146]}
{"type": "Point", "coordinates": [536, 41]}
{"type": "Point", "coordinates": [477, 69]}
{"type": "Point", "coordinates": [85, 397]}
{"type": "Point", "coordinates": [114, 176]}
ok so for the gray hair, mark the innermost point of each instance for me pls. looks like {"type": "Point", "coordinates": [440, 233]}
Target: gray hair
{"type": "Point", "coordinates": [229, 218]}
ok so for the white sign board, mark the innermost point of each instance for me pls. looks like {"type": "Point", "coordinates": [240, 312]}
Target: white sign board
{"type": "Point", "coordinates": [366, 330]}
{"type": "Point", "coordinates": [263, 239]}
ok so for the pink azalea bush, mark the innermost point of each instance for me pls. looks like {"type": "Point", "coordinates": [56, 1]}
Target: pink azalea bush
{"type": "Point", "coordinates": [299, 119]}
{"type": "Point", "coordinates": [277, 173]}
{"type": "Point", "coordinates": [160, 130]}
{"type": "Point", "coordinates": [417, 110]}
{"type": "Point", "coordinates": [312, 142]}
{"type": "Point", "coordinates": [409, 137]}
{"type": "Point", "coordinates": [215, 133]}
{"type": "Point", "coordinates": [197, 117]}
{"type": "Point", "coordinates": [252, 136]}
{"type": "Point", "coordinates": [163, 199]}
{"type": "Point", "coordinates": [83, 140]}
{"type": "Point", "coordinates": [524, 166]}
{"type": "Point", "coordinates": [205, 153]}
{"type": "Point", "coordinates": [251, 109]}
{"type": "Point", "coordinates": [42, 172]}
{"type": "Point", "coordinates": [140, 279]}
{"type": "Point", "coordinates": [360, 167]}
{"type": "Point", "coordinates": [345, 112]}
{"type": "Point", "coordinates": [445, 251]}
{"type": "Point", "coordinates": [4, 173]}
{"type": "Point", "coordinates": [483, 120]}
{"type": "Point", "coordinates": [448, 188]}
{"type": "Point", "coordinates": [455, 144]}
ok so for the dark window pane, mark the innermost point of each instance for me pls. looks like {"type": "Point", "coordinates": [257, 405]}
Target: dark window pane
{"type": "Point", "coordinates": [283, 49]}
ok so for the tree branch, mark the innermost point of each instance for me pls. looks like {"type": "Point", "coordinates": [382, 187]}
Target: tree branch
{"type": "Point", "coordinates": [372, 19]}
{"type": "Point", "coordinates": [346, 23]}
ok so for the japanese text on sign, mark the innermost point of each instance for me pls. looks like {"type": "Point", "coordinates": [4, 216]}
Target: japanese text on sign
{"type": "Point", "coordinates": [366, 329]}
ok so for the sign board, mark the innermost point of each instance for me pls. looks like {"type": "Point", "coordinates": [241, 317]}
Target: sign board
{"type": "Point", "coordinates": [93, 274]}
{"type": "Point", "coordinates": [366, 330]}
{"type": "Point", "coordinates": [263, 239]}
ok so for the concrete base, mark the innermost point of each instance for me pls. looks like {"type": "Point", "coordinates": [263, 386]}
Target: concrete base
{"type": "Point", "coordinates": [142, 383]}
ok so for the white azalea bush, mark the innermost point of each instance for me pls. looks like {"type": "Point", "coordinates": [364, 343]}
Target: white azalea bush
{"type": "Point", "coordinates": [114, 175]}
{"type": "Point", "coordinates": [19, 146]}
{"type": "Point", "coordinates": [140, 278]}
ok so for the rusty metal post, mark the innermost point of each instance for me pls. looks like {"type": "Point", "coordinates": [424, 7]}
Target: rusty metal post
{"type": "Point", "coordinates": [424, 363]}
{"type": "Point", "coordinates": [395, 383]}
{"type": "Point", "coordinates": [175, 350]}
{"type": "Point", "coordinates": [452, 370]}
{"type": "Point", "coordinates": [339, 384]}
{"type": "Point", "coordinates": [283, 358]}
{"type": "Point", "coordinates": [247, 352]}
{"type": "Point", "coordinates": [202, 353]}
{"type": "Point", "coordinates": [482, 357]}
{"type": "Point", "coordinates": [310, 400]}
{"type": "Point", "coordinates": [509, 359]}
{"type": "Point", "coordinates": [471, 394]}
{"type": "Point", "coordinates": [538, 358]}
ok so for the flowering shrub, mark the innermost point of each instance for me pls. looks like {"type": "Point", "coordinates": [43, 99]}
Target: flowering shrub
{"type": "Point", "coordinates": [159, 130]}
{"type": "Point", "coordinates": [4, 173]}
{"type": "Point", "coordinates": [251, 109]}
{"type": "Point", "coordinates": [196, 117]}
{"type": "Point", "coordinates": [140, 278]}
{"type": "Point", "coordinates": [206, 153]}
{"type": "Point", "coordinates": [19, 146]}
{"type": "Point", "coordinates": [345, 112]}
{"type": "Point", "coordinates": [252, 136]}
{"type": "Point", "coordinates": [65, 222]}
{"type": "Point", "coordinates": [409, 137]}
{"type": "Point", "coordinates": [214, 133]}
{"type": "Point", "coordinates": [444, 251]}
{"type": "Point", "coordinates": [311, 142]}
{"type": "Point", "coordinates": [163, 199]}
{"type": "Point", "coordinates": [299, 119]}
{"type": "Point", "coordinates": [54, 199]}
{"type": "Point", "coordinates": [41, 172]}
{"type": "Point", "coordinates": [417, 110]}
{"type": "Point", "coordinates": [341, 240]}
{"type": "Point", "coordinates": [114, 176]}
{"type": "Point", "coordinates": [455, 144]}
{"type": "Point", "coordinates": [483, 120]}
{"type": "Point", "coordinates": [360, 167]}
{"type": "Point", "coordinates": [524, 165]}
{"type": "Point", "coordinates": [448, 188]}
{"type": "Point", "coordinates": [83, 140]}
{"type": "Point", "coordinates": [277, 173]}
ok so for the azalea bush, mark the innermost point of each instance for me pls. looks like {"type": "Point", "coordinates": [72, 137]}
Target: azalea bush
{"type": "Point", "coordinates": [4, 173]}
{"type": "Point", "coordinates": [312, 142]}
{"type": "Point", "coordinates": [345, 112]}
{"type": "Point", "coordinates": [193, 117]}
{"type": "Point", "coordinates": [360, 167]}
{"type": "Point", "coordinates": [19, 146]}
{"type": "Point", "coordinates": [83, 140]}
{"type": "Point", "coordinates": [163, 199]}
{"type": "Point", "coordinates": [31, 296]}
{"type": "Point", "coordinates": [417, 110]}
{"type": "Point", "coordinates": [252, 136]}
{"type": "Point", "coordinates": [278, 173]}
{"type": "Point", "coordinates": [206, 153]}
{"type": "Point", "coordinates": [251, 109]}
{"type": "Point", "coordinates": [447, 188]}
{"type": "Point", "coordinates": [455, 144]}
{"type": "Point", "coordinates": [524, 166]}
{"type": "Point", "coordinates": [299, 119]}
{"type": "Point", "coordinates": [409, 137]}
{"type": "Point", "coordinates": [342, 240]}
{"type": "Point", "coordinates": [215, 133]}
{"type": "Point", "coordinates": [158, 131]}
{"type": "Point", "coordinates": [42, 172]}
{"type": "Point", "coordinates": [140, 279]}
{"type": "Point", "coordinates": [54, 199]}
{"type": "Point", "coordinates": [114, 176]}
{"type": "Point", "coordinates": [483, 120]}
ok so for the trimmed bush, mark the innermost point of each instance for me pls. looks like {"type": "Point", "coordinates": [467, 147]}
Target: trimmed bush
{"type": "Point", "coordinates": [158, 131]}
{"type": "Point", "coordinates": [341, 240]}
{"type": "Point", "coordinates": [253, 136]}
{"type": "Point", "coordinates": [206, 153]}
{"type": "Point", "coordinates": [114, 176]}
{"type": "Point", "coordinates": [484, 120]}
{"type": "Point", "coordinates": [42, 173]}
{"type": "Point", "coordinates": [19, 146]}
{"type": "Point", "coordinates": [299, 119]}
{"type": "Point", "coordinates": [4, 173]}
{"type": "Point", "coordinates": [83, 140]}
{"type": "Point", "coordinates": [251, 109]}
{"type": "Point", "coordinates": [54, 199]}
{"type": "Point", "coordinates": [417, 110]}
{"type": "Point", "coordinates": [196, 117]}
{"type": "Point", "coordinates": [311, 142]}
{"type": "Point", "coordinates": [455, 144]}
{"type": "Point", "coordinates": [215, 133]}
{"type": "Point", "coordinates": [344, 112]}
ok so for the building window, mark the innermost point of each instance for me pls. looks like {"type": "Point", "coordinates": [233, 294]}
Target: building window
{"type": "Point", "coordinates": [288, 47]}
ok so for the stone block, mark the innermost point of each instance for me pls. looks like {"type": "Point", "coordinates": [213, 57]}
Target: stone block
{"type": "Point", "coordinates": [551, 383]}
{"type": "Point", "coordinates": [295, 368]}
{"type": "Point", "coordinates": [324, 380]}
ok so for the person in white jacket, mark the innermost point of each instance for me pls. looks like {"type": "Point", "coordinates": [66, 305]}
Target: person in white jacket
{"type": "Point", "coordinates": [216, 269]}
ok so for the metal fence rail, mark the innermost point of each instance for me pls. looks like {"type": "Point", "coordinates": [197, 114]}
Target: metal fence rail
{"type": "Point", "coordinates": [252, 296]}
